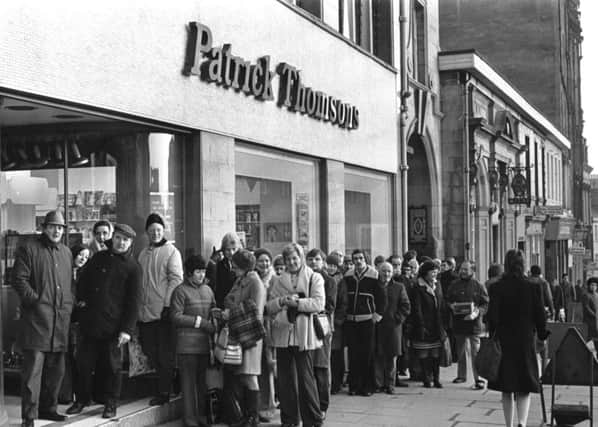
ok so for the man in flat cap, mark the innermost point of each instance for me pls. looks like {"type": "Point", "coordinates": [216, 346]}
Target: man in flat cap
{"type": "Point", "coordinates": [43, 281]}
{"type": "Point", "coordinates": [109, 296]}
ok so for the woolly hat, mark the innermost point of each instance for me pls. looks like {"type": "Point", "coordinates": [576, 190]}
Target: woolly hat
{"type": "Point", "coordinates": [154, 218]}
{"type": "Point", "coordinates": [195, 262]}
{"type": "Point", "coordinates": [244, 259]}
{"type": "Point", "coordinates": [425, 267]}
{"type": "Point", "coordinates": [333, 259]}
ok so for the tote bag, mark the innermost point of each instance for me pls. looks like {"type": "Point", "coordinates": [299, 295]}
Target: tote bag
{"type": "Point", "coordinates": [487, 361]}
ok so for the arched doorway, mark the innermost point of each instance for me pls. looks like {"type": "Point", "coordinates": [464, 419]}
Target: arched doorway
{"type": "Point", "coordinates": [419, 195]}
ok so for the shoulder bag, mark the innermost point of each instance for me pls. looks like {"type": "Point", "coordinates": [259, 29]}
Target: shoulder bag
{"type": "Point", "coordinates": [227, 352]}
{"type": "Point", "coordinates": [487, 361]}
{"type": "Point", "coordinates": [321, 322]}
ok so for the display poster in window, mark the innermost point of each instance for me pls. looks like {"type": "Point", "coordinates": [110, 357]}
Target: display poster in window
{"type": "Point", "coordinates": [163, 204]}
{"type": "Point", "coordinates": [418, 220]}
{"type": "Point", "coordinates": [302, 212]}
{"type": "Point", "coordinates": [276, 232]}
{"type": "Point", "coordinates": [248, 222]}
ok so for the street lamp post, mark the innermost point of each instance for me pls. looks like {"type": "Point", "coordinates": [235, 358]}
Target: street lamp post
{"type": "Point", "coordinates": [404, 94]}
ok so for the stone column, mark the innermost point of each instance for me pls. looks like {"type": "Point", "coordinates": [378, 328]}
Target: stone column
{"type": "Point", "coordinates": [217, 171]}
{"type": "Point", "coordinates": [333, 206]}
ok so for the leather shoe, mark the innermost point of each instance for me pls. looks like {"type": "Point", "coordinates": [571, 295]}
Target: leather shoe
{"type": "Point", "coordinates": [51, 416]}
{"type": "Point", "coordinates": [109, 411]}
{"type": "Point", "coordinates": [459, 380]}
{"type": "Point", "coordinates": [389, 390]}
{"type": "Point", "coordinates": [27, 423]}
{"type": "Point", "coordinates": [76, 408]}
{"type": "Point", "coordinates": [159, 400]}
{"type": "Point", "coordinates": [437, 384]}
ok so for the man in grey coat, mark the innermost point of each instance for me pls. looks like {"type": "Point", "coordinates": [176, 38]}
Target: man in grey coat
{"type": "Point", "coordinates": [42, 279]}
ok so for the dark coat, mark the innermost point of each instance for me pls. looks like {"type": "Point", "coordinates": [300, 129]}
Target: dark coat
{"type": "Point", "coordinates": [110, 287]}
{"type": "Point", "coordinates": [321, 356]}
{"type": "Point", "coordinates": [43, 281]}
{"type": "Point", "coordinates": [446, 278]}
{"type": "Point", "coordinates": [340, 314]}
{"type": "Point", "coordinates": [389, 331]}
{"type": "Point", "coordinates": [467, 290]}
{"type": "Point", "coordinates": [515, 315]}
{"type": "Point", "coordinates": [365, 296]}
{"type": "Point", "coordinates": [590, 307]}
{"type": "Point", "coordinates": [427, 313]}
{"type": "Point", "coordinates": [222, 280]}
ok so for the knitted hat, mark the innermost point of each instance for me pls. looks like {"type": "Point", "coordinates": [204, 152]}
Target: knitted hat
{"type": "Point", "coordinates": [261, 251]}
{"type": "Point", "coordinates": [333, 259]}
{"type": "Point", "coordinates": [125, 230]}
{"type": "Point", "coordinates": [154, 218]}
{"type": "Point", "coordinates": [195, 262]}
{"type": "Point", "coordinates": [244, 259]}
{"type": "Point", "coordinates": [425, 267]}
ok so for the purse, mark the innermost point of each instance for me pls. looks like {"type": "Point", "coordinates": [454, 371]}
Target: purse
{"type": "Point", "coordinates": [227, 352]}
{"type": "Point", "coordinates": [321, 322]}
{"type": "Point", "coordinates": [487, 361]}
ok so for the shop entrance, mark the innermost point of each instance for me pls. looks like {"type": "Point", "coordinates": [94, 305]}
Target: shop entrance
{"type": "Point", "coordinates": [419, 195]}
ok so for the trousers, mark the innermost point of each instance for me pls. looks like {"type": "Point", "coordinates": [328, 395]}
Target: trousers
{"type": "Point", "coordinates": [99, 355]}
{"type": "Point", "coordinates": [467, 348]}
{"type": "Point", "coordinates": [41, 377]}
{"type": "Point", "coordinates": [385, 370]}
{"type": "Point", "coordinates": [297, 388]}
{"type": "Point", "coordinates": [158, 344]}
{"type": "Point", "coordinates": [360, 342]}
{"type": "Point", "coordinates": [193, 369]}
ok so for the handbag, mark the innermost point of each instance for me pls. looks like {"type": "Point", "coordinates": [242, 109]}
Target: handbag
{"type": "Point", "coordinates": [321, 323]}
{"type": "Point", "coordinates": [226, 351]}
{"type": "Point", "coordinates": [487, 361]}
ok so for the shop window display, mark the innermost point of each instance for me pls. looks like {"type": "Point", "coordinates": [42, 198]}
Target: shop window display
{"type": "Point", "coordinates": [367, 212]}
{"type": "Point", "coordinates": [276, 199]}
{"type": "Point", "coordinates": [116, 177]}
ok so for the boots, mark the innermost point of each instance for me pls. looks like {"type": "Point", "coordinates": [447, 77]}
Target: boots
{"type": "Point", "coordinates": [252, 400]}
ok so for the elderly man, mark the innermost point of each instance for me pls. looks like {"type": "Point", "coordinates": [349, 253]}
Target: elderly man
{"type": "Point", "coordinates": [109, 297]}
{"type": "Point", "coordinates": [467, 322]}
{"type": "Point", "coordinates": [43, 276]}
{"type": "Point", "coordinates": [162, 268]}
{"type": "Point", "coordinates": [389, 331]}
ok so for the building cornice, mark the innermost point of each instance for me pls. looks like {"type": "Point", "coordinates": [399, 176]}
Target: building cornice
{"type": "Point", "coordinates": [469, 60]}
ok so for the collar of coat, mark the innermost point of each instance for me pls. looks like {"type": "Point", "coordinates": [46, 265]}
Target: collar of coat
{"type": "Point", "coordinates": [427, 287]}
{"type": "Point", "coordinates": [369, 272]}
{"type": "Point", "coordinates": [286, 282]}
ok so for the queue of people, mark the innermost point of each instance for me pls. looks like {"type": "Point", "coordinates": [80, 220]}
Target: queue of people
{"type": "Point", "coordinates": [289, 321]}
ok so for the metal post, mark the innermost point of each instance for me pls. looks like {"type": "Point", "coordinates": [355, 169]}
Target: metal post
{"type": "Point", "coordinates": [403, 166]}
{"type": "Point", "coordinates": [3, 415]}
{"type": "Point", "coordinates": [65, 177]}
{"type": "Point", "coordinates": [464, 79]}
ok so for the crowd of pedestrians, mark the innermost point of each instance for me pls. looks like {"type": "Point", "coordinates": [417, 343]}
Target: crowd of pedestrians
{"type": "Point", "coordinates": [281, 330]}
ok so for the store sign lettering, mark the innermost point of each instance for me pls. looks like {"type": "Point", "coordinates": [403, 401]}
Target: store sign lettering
{"type": "Point", "coordinates": [218, 65]}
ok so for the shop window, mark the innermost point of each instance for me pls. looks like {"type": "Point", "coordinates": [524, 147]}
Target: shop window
{"type": "Point", "coordinates": [120, 178]}
{"type": "Point", "coordinates": [367, 212]}
{"type": "Point", "coordinates": [276, 199]}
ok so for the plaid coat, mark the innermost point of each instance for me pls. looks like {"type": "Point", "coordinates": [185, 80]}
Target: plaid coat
{"type": "Point", "coordinates": [247, 287]}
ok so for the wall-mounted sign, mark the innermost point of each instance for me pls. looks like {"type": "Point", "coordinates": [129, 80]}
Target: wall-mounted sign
{"type": "Point", "coordinates": [218, 65]}
{"type": "Point", "coordinates": [418, 224]}
{"type": "Point", "coordinates": [553, 210]}
{"type": "Point", "coordinates": [520, 191]}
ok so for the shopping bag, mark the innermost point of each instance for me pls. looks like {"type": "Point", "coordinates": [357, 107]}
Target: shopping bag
{"type": "Point", "coordinates": [487, 361]}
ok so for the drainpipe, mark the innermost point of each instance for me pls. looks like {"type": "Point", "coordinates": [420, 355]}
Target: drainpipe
{"type": "Point", "coordinates": [403, 166]}
{"type": "Point", "coordinates": [464, 80]}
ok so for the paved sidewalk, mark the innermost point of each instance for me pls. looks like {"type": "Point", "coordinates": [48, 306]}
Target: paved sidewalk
{"type": "Point", "coordinates": [456, 405]}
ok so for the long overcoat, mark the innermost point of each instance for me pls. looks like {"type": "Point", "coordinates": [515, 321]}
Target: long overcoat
{"type": "Point", "coordinates": [389, 331]}
{"type": "Point", "coordinates": [43, 281]}
{"type": "Point", "coordinates": [515, 315]}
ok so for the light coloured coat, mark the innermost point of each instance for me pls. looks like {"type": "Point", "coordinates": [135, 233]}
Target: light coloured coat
{"type": "Point", "coordinates": [301, 333]}
{"type": "Point", "coordinates": [162, 272]}
{"type": "Point", "coordinates": [249, 287]}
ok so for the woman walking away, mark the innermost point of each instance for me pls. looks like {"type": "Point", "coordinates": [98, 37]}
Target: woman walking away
{"type": "Point", "coordinates": [248, 287]}
{"type": "Point", "coordinates": [428, 329]}
{"type": "Point", "coordinates": [294, 298]}
{"type": "Point", "coordinates": [515, 314]}
{"type": "Point", "coordinates": [590, 308]}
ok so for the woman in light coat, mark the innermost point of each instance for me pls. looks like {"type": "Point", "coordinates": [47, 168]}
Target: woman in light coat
{"type": "Point", "coordinates": [248, 286]}
{"type": "Point", "coordinates": [293, 299]}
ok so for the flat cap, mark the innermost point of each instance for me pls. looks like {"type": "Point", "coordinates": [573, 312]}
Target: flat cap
{"type": "Point", "coordinates": [125, 229]}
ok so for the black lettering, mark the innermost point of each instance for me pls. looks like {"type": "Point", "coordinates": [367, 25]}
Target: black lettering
{"type": "Point", "coordinates": [266, 76]}
{"type": "Point", "coordinates": [355, 117]}
{"type": "Point", "coordinates": [215, 66]}
{"type": "Point", "coordinates": [246, 73]}
{"type": "Point", "coordinates": [199, 42]}
{"type": "Point", "coordinates": [342, 114]}
{"type": "Point", "coordinates": [226, 65]}
{"type": "Point", "coordinates": [320, 98]}
{"type": "Point", "coordinates": [333, 113]}
{"type": "Point", "coordinates": [312, 104]}
{"type": "Point", "coordinates": [287, 75]}
{"type": "Point", "coordinates": [239, 65]}
{"type": "Point", "coordinates": [299, 96]}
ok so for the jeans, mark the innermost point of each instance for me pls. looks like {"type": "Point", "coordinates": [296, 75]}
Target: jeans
{"type": "Point", "coordinates": [298, 393]}
{"type": "Point", "coordinates": [41, 378]}
{"type": "Point", "coordinates": [465, 343]}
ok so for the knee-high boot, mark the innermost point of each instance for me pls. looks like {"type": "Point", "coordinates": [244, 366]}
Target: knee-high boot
{"type": "Point", "coordinates": [252, 401]}
{"type": "Point", "coordinates": [436, 372]}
